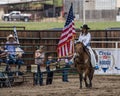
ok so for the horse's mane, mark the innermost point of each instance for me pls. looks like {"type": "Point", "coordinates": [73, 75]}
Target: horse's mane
{"type": "Point", "coordinates": [84, 48]}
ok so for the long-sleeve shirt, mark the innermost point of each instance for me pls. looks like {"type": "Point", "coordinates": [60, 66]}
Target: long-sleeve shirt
{"type": "Point", "coordinates": [48, 64]}
{"type": "Point", "coordinates": [10, 47]}
{"type": "Point", "coordinates": [85, 39]}
{"type": "Point", "coordinates": [39, 57]}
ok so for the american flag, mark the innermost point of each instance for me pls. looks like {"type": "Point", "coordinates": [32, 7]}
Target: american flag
{"type": "Point", "coordinates": [65, 45]}
{"type": "Point", "coordinates": [18, 49]}
{"type": "Point", "coordinates": [15, 35]}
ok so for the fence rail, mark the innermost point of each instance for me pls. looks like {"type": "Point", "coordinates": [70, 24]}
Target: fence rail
{"type": "Point", "coordinates": [30, 40]}
{"type": "Point", "coordinates": [11, 27]}
{"type": "Point", "coordinates": [29, 49]}
{"type": "Point", "coordinates": [28, 58]}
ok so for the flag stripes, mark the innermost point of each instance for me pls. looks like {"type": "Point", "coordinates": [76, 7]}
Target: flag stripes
{"type": "Point", "coordinates": [66, 42]}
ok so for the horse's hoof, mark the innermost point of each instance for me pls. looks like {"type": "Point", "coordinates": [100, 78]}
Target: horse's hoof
{"type": "Point", "coordinates": [89, 86]}
{"type": "Point", "coordinates": [80, 88]}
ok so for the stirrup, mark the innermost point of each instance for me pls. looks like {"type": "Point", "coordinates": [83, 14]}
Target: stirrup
{"type": "Point", "coordinates": [96, 67]}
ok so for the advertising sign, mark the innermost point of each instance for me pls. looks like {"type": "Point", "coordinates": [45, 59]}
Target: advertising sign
{"type": "Point", "coordinates": [108, 61]}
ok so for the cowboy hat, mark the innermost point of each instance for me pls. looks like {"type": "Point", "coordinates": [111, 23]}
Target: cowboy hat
{"type": "Point", "coordinates": [85, 26]}
{"type": "Point", "coordinates": [10, 36]}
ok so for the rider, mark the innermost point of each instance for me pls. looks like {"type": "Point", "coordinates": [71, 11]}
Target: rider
{"type": "Point", "coordinates": [85, 38]}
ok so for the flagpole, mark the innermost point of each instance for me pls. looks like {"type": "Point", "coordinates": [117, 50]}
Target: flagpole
{"type": "Point", "coordinates": [73, 37]}
{"type": "Point", "coordinates": [15, 35]}
{"type": "Point", "coordinates": [84, 12]}
{"type": "Point", "coordinates": [20, 51]}
{"type": "Point", "coordinates": [16, 38]}
{"type": "Point", "coordinates": [73, 45]}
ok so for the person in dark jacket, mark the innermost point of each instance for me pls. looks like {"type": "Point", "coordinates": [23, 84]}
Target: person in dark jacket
{"type": "Point", "coordinates": [49, 63]}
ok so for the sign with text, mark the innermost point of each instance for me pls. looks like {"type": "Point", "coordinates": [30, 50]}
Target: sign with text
{"type": "Point", "coordinates": [108, 61]}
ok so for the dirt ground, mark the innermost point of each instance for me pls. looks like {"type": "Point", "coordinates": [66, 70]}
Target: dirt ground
{"type": "Point", "coordinates": [102, 86]}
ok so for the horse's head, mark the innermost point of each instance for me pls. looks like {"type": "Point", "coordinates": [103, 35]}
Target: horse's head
{"type": "Point", "coordinates": [79, 47]}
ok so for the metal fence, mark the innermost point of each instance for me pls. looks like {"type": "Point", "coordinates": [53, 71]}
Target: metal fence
{"type": "Point", "coordinates": [30, 40]}
{"type": "Point", "coordinates": [26, 72]}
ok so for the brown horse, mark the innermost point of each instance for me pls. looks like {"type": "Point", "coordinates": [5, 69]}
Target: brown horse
{"type": "Point", "coordinates": [83, 65]}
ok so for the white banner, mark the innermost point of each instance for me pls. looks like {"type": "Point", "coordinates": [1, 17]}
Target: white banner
{"type": "Point", "coordinates": [108, 61]}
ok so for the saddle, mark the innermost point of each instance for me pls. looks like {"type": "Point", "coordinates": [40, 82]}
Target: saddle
{"type": "Point", "coordinates": [87, 51]}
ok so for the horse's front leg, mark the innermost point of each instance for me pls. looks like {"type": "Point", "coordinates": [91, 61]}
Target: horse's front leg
{"type": "Point", "coordinates": [80, 78]}
{"type": "Point", "coordinates": [90, 82]}
{"type": "Point", "coordinates": [85, 80]}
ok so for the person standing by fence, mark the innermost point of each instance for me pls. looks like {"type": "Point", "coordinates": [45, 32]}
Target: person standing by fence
{"type": "Point", "coordinates": [50, 62]}
{"type": "Point", "coordinates": [3, 54]}
{"type": "Point", "coordinates": [65, 70]}
{"type": "Point", "coordinates": [39, 61]}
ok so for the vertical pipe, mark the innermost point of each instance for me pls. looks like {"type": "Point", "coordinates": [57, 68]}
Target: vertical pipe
{"type": "Point", "coordinates": [83, 11]}
{"type": "Point", "coordinates": [116, 45]}
{"type": "Point", "coordinates": [54, 13]}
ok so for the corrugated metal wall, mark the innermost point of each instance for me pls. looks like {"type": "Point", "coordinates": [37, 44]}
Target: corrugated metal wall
{"type": "Point", "coordinates": [97, 10]}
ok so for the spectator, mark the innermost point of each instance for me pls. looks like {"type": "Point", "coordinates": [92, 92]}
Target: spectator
{"type": "Point", "coordinates": [65, 71]}
{"type": "Point", "coordinates": [3, 54]}
{"type": "Point", "coordinates": [10, 47]}
{"type": "Point", "coordinates": [13, 57]}
{"type": "Point", "coordinates": [39, 61]}
{"type": "Point", "coordinates": [50, 62]}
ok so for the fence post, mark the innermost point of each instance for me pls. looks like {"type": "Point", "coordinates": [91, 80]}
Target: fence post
{"type": "Point", "coordinates": [116, 44]}
{"type": "Point", "coordinates": [116, 55]}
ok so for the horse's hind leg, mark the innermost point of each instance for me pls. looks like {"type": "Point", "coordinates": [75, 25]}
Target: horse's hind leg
{"type": "Point", "coordinates": [90, 76]}
{"type": "Point", "coordinates": [80, 78]}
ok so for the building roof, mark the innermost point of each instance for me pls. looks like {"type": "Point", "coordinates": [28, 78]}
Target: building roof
{"type": "Point", "coordinates": [6, 2]}
{"type": "Point", "coordinates": [2, 3]}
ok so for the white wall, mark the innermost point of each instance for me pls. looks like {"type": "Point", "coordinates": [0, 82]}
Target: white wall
{"type": "Point", "coordinates": [15, 1]}
{"type": "Point", "coordinates": [118, 3]}
{"type": "Point", "coordinates": [105, 4]}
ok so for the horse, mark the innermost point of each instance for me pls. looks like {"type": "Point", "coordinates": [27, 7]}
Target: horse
{"type": "Point", "coordinates": [83, 64]}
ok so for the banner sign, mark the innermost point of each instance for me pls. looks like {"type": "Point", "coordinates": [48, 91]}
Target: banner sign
{"type": "Point", "coordinates": [108, 61]}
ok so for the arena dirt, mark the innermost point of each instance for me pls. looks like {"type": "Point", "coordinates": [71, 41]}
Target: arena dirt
{"type": "Point", "coordinates": [102, 86]}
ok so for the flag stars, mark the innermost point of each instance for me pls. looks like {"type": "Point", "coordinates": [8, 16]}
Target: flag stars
{"type": "Point", "coordinates": [70, 17]}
